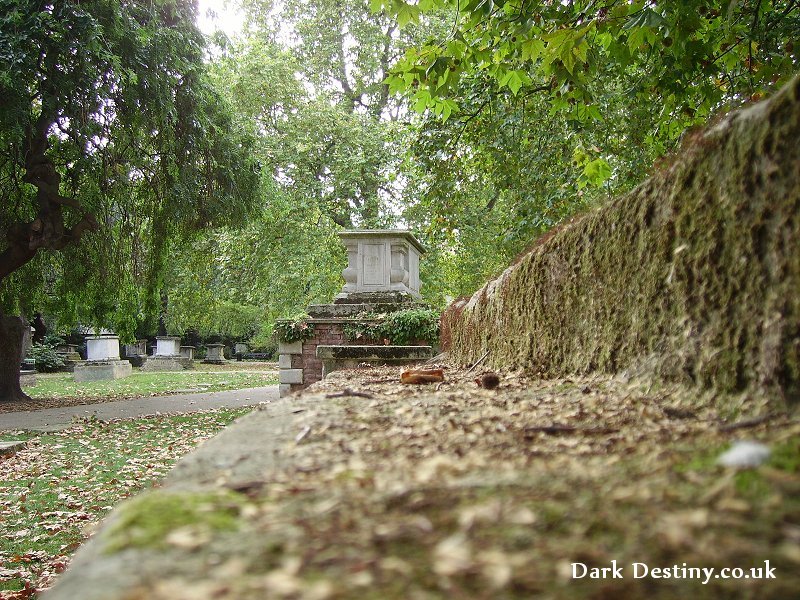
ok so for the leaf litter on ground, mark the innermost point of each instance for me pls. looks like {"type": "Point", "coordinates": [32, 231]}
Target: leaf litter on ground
{"type": "Point", "coordinates": [399, 491]}
{"type": "Point", "coordinates": [54, 492]}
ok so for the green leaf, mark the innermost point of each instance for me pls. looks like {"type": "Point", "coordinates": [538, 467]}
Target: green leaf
{"type": "Point", "coordinates": [532, 49]}
{"type": "Point", "coordinates": [516, 79]}
{"type": "Point", "coordinates": [422, 99]}
{"type": "Point", "coordinates": [407, 14]}
{"type": "Point", "coordinates": [597, 171]}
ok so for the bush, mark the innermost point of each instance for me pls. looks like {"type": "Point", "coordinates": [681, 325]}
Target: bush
{"type": "Point", "coordinates": [45, 358]}
{"type": "Point", "coordinates": [53, 340]}
{"type": "Point", "coordinates": [415, 324]}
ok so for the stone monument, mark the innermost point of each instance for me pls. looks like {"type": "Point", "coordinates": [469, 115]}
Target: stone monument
{"type": "Point", "coordinates": [215, 354]}
{"type": "Point", "coordinates": [136, 353]}
{"type": "Point", "coordinates": [382, 276]}
{"type": "Point", "coordinates": [138, 348]}
{"type": "Point", "coordinates": [167, 356]}
{"type": "Point", "coordinates": [102, 360]}
{"type": "Point", "coordinates": [381, 265]}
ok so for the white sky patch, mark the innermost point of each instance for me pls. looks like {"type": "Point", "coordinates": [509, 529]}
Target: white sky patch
{"type": "Point", "coordinates": [219, 14]}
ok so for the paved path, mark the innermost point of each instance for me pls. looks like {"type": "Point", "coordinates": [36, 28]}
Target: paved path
{"type": "Point", "coordinates": [57, 418]}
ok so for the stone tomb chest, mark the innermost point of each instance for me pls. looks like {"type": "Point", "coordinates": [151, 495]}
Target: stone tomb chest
{"type": "Point", "coordinates": [380, 261]}
{"type": "Point", "coordinates": [102, 360]}
{"type": "Point", "coordinates": [215, 354]}
{"type": "Point", "coordinates": [167, 356]}
{"type": "Point", "coordinates": [168, 346]}
{"type": "Point", "coordinates": [102, 347]}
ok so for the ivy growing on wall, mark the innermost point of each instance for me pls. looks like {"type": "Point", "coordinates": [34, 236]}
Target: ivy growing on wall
{"type": "Point", "coordinates": [293, 330]}
{"type": "Point", "coordinates": [400, 328]}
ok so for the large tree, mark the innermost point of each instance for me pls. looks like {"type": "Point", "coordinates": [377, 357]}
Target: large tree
{"type": "Point", "coordinates": [109, 125]}
{"type": "Point", "coordinates": [533, 110]}
{"type": "Point", "coordinates": [310, 77]}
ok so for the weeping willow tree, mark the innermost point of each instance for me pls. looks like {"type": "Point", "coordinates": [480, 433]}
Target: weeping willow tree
{"type": "Point", "coordinates": [113, 145]}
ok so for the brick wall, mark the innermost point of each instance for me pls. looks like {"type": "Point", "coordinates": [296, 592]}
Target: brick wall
{"type": "Point", "coordinates": [325, 334]}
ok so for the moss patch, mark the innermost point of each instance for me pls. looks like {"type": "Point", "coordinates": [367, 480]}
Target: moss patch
{"type": "Point", "coordinates": [146, 521]}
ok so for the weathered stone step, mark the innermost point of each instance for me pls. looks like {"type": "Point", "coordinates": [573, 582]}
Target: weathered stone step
{"type": "Point", "coordinates": [335, 358]}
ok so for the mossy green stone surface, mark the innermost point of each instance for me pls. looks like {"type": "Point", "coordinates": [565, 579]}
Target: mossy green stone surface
{"type": "Point", "coordinates": [693, 277]}
{"type": "Point", "coordinates": [146, 521]}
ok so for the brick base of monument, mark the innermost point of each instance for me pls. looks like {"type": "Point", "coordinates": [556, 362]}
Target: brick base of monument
{"type": "Point", "coordinates": [300, 364]}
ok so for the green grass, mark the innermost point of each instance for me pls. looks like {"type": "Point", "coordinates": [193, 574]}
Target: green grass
{"type": "Point", "coordinates": [63, 385]}
{"type": "Point", "coordinates": [62, 483]}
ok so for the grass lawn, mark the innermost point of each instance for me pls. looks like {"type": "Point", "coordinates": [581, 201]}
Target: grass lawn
{"type": "Point", "coordinates": [58, 385]}
{"type": "Point", "coordinates": [53, 492]}
{"type": "Point", "coordinates": [61, 389]}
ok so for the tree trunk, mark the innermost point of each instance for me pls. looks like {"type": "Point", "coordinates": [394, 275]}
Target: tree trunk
{"type": "Point", "coordinates": [12, 330]}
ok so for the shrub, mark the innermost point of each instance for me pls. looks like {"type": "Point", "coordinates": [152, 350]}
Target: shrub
{"type": "Point", "coordinates": [400, 328]}
{"type": "Point", "coordinates": [406, 326]}
{"type": "Point", "coordinates": [45, 358]}
{"type": "Point", "coordinates": [53, 340]}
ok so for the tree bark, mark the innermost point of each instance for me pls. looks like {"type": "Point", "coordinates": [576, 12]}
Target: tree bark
{"type": "Point", "coordinates": [12, 330]}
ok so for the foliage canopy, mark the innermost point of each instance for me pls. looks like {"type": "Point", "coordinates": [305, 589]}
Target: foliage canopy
{"type": "Point", "coordinates": [109, 123]}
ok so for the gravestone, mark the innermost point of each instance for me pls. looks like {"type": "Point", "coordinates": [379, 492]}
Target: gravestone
{"type": "Point", "coordinates": [102, 360]}
{"type": "Point", "coordinates": [167, 356]}
{"type": "Point", "coordinates": [381, 276]}
{"type": "Point", "coordinates": [215, 354]}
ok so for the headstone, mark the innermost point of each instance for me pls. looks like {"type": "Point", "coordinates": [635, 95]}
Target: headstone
{"type": "Point", "coordinates": [102, 360]}
{"type": "Point", "coordinates": [187, 352]}
{"type": "Point", "coordinates": [215, 354]}
{"type": "Point", "coordinates": [240, 348]}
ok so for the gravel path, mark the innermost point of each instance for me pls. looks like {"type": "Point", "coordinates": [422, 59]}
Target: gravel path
{"type": "Point", "coordinates": [58, 418]}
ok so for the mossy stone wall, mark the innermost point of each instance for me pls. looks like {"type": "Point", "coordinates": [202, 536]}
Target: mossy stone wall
{"type": "Point", "coordinates": [693, 276]}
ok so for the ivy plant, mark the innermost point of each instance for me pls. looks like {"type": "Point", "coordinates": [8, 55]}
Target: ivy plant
{"type": "Point", "coordinates": [401, 328]}
{"type": "Point", "coordinates": [293, 330]}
